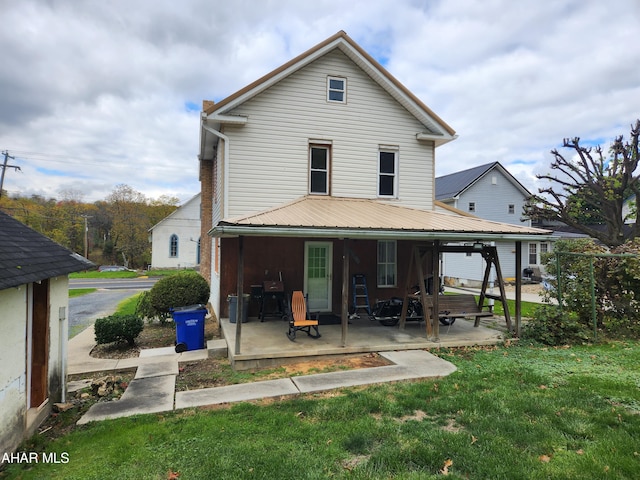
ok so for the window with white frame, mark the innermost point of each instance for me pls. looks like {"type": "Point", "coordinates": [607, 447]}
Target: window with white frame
{"type": "Point", "coordinates": [173, 246]}
{"type": "Point", "coordinates": [533, 254]}
{"type": "Point", "coordinates": [512, 209]}
{"type": "Point", "coordinates": [388, 172]}
{"type": "Point", "coordinates": [319, 158]}
{"type": "Point", "coordinates": [472, 206]}
{"type": "Point", "coordinates": [337, 89]}
{"type": "Point", "coordinates": [544, 248]}
{"type": "Point", "coordinates": [387, 263]}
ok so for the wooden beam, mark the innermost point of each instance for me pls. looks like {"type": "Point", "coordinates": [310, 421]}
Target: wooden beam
{"type": "Point", "coordinates": [503, 294]}
{"type": "Point", "coordinates": [345, 290]}
{"type": "Point", "coordinates": [407, 285]}
{"type": "Point", "coordinates": [435, 260]}
{"type": "Point", "coordinates": [240, 302]}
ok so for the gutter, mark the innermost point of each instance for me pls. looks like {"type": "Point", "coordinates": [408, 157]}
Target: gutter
{"type": "Point", "coordinates": [225, 139]}
{"type": "Point", "coordinates": [270, 231]}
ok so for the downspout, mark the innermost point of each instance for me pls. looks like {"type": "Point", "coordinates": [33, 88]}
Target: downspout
{"type": "Point", "coordinates": [225, 139]}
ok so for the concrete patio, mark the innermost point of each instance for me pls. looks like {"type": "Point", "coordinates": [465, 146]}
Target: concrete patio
{"type": "Point", "coordinates": [265, 344]}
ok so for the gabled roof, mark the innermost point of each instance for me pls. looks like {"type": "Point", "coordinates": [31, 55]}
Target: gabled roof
{"type": "Point", "coordinates": [435, 126]}
{"type": "Point", "coordinates": [321, 216]}
{"type": "Point", "coordinates": [27, 256]}
{"type": "Point", "coordinates": [453, 185]}
{"type": "Point", "coordinates": [177, 211]}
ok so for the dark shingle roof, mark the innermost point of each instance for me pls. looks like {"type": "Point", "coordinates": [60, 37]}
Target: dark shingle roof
{"type": "Point", "coordinates": [448, 186]}
{"type": "Point", "coordinates": [452, 185]}
{"type": "Point", "coordinates": [27, 256]}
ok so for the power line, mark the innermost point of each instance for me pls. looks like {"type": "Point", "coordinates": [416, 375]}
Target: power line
{"type": "Point", "coordinates": [5, 165]}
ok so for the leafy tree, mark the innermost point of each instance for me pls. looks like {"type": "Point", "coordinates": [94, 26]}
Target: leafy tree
{"type": "Point", "coordinates": [130, 224]}
{"type": "Point", "coordinates": [592, 188]}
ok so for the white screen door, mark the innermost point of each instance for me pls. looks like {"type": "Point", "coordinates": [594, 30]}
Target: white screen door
{"type": "Point", "coordinates": [318, 260]}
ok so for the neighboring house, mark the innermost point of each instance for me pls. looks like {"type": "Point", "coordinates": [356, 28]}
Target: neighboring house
{"type": "Point", "coordinates": [489, 192]}
{"type": "Point", "coordinates": [319, 170]}
{"type": "Point", "coordinates": [175, 240]}
{"type": "Point", "coordinates": [34, 295]}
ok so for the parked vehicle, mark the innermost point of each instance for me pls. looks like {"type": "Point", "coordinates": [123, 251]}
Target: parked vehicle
{"type": "Point", "coordinates": [388, 312]}
{"type": "Point", "coordinates": [112, 268]}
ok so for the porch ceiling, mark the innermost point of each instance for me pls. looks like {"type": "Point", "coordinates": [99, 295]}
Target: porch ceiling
{"type": "Point", "coordinates": [319, 216]}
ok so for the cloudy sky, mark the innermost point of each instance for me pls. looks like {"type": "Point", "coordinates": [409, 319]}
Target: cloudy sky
{"type": "Point", "coordinates": [96, 94]}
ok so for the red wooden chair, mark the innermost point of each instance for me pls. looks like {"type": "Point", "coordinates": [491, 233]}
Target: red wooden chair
{"type": "Point", "coordinates": [299, 319]}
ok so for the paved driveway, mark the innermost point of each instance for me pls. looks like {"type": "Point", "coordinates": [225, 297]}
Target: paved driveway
{"type": "Point", "coordinates": [84, 310]}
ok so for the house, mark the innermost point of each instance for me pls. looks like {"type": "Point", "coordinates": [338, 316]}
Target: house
{"type": "Point", "coordinates": [322, 169]}
{"type": "Point", "coordinates": [34, 296]}
{"type": "Point", "coordinates": [490, 192]}
{"type": "Point", "coordinates": [175, 240]}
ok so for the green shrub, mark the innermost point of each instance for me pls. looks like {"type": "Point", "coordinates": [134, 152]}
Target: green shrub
{"type": "Point", "coordinates": [118, 328]}
{"type": "Point", "coordinates": [179, 290]}
{"type": "Point", "coordinates": [553, 327]}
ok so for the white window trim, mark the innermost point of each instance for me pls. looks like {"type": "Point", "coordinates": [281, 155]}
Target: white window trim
{"type": "Point", "coordinates": [327, 148]}
{"type": "Point", "coordinates": [389, 149]}
{"type": "Point", "coordinates": [177, 242]}
{"type": "Point", "coordinates": [394, 263]}
{"type": "Point", "coordinates": [344, 90]}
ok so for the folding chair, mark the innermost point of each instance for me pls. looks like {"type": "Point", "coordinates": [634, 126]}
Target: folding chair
{"type": "Point", "coordinates": [299, 319]}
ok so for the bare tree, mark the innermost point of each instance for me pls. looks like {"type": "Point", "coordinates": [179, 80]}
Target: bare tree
{"type": "Point", "coordinates": [594, 184]}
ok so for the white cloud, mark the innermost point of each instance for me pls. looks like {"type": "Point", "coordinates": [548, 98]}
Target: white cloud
{"type": "Point", "coordinates": [95, 94]}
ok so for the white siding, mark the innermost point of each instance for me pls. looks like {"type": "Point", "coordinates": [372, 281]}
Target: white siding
{"type": "Point", "coordinates": [269, 155]}
{"type": "Point", "coordinates": [492, 194]}
{"type": "Point", "coordinates": [13, 357]}
{"type": "Point", "coordinates": [470, 270]}
{"type": "Point", "coordinates": [492, 200]}
{"type": "Point", "coordinates": [13, 374]}
{"type": "Point", "coordinates": [185, 223]}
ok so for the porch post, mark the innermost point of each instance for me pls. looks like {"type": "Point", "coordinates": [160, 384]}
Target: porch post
{"type": "Point", "coordinates": [435, 260]}
{"type": "Point", "coordinates": [518, 287]}
{"type": "Point", "coordinates": [345, 290]}
{"type": "Point", "coordinates": [240, 301]}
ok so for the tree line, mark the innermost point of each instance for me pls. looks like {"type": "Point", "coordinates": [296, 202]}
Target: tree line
{"type": "Point", "coordinates": [117, 228]}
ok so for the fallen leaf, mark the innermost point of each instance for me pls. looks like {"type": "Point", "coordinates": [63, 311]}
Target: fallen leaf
{"type": "Point", "coordinates": [580, 452]}
{"type": "Point", "coordinates": [473, 439]}
{"type": "Point", "coordinates": [544, 458]}
{"type": "Point", "coordinates": [171, 475]}
{"type": "Point", "coordinates": [445, 468]}
{"type": "Point", "coordinates": [542, 387]}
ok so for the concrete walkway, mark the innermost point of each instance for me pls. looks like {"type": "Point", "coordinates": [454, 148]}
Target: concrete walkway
{"type": "Point", "coordinates": [153, 388]}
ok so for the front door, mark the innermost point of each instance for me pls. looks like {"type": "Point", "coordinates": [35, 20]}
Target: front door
{"type": "Point", "coordinates": [318, 262]}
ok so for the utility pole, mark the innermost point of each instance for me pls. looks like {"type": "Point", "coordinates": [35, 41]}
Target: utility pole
{"type": "Point", "coordinates": [4, 166]}
{"type": "Point", "coordinates": [86, 237]}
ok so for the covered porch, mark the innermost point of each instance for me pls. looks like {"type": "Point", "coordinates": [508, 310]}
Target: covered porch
{"type": "Point", "coordinates": [265, 344]}
{"type": "Point", "coordinates": [353, 227]}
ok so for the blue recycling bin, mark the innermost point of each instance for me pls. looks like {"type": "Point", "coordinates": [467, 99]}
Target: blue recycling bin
{"type": "Point", "coordinates": [189, 327]}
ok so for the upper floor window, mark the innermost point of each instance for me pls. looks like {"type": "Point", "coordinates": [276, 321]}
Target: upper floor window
{"type": "Point", "coordinates": [173, 245]}
{"type": "Point", "coordinates": [337, 89]}
{"type": "Point", "coordinates": [512, 208]}
{"type": "Point", "coordinates": [472, 206]}
{"type": "Point", "coordinates": [319, 169]}
{"type": "Point", "coordinates": [388, 172]}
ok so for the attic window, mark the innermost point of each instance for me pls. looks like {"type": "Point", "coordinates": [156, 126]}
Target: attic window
{"type": "Point", "coordinates": [337, 89]}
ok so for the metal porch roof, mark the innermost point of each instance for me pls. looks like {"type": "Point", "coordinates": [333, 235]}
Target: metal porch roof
{"type": "Point", "coordinates": [319, 216]}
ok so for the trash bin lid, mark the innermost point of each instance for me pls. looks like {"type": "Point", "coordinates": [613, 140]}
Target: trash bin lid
{"type": "Point", "coordinates": [189, 308]}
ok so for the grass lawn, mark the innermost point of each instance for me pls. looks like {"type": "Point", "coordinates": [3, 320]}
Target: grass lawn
{"type": "Point", "coordinates": [527, 309]}
{"type": "Point", "coordinates": [78, 292]}
{"type": "Point", "coordinates": [508, 412]}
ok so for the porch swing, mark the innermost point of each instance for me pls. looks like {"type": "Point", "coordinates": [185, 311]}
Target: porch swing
{"type": "Point", "coordinates": [452, 306]}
